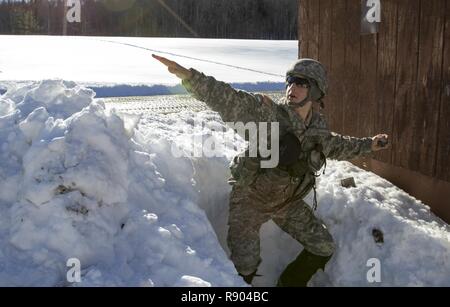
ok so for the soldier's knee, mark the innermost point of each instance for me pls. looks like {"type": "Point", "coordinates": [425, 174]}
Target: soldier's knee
{"type": "Point", "coordinates": [325, 248]}
{"type": "Point", "coordinates": [246, 265]}
{"type": "Point", "coordinates": [329, 248]}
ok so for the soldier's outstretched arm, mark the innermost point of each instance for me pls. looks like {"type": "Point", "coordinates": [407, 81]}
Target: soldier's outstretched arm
{"type": "Point", "coordinates": [232, 105]}
{"type": "Point", "coordinates": [342, 147]}
{"type": "Point", "coordinates": [174, 67]}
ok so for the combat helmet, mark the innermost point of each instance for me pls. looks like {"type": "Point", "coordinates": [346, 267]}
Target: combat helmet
{"type": "Point", "coordinates": [315, 73]}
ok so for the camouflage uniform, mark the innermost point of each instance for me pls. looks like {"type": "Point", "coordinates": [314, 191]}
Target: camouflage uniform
{"type": "Point", "coordinates": [258, 194]}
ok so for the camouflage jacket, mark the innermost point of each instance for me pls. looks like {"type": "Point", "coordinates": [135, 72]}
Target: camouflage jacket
{"type": "Point", "coordinates": [240, 106]}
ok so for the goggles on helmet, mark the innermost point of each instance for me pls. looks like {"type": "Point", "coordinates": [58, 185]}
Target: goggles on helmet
{"type": "Point", "coordinates": [298, 81]}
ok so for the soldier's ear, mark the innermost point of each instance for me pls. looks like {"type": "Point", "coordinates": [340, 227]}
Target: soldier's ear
{"type": "Point", "coordinates": [315, 94]}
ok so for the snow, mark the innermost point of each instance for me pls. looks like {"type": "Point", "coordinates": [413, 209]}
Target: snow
{"type": "Point", "coordinates": [99, 62]}
{"type": "Point", "coordinates": [83, 181]}
{"type": "Point", "coordinates": [79, 179]}
{"type": "Point", "coordinates": [76, 183]}
{"type": "Point", "coordinates": [416, 248]}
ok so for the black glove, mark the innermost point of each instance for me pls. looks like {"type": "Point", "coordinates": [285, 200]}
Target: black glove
{"type": "Point", "coordinates": [382, 142]}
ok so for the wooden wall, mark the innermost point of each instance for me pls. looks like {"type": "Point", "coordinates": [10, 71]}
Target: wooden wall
{"type": "Point", "coordinates": [396, 81]}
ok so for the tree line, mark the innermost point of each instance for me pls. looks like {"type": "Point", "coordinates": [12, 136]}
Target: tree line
{"type": "Point", "coordinates": [240, 19]}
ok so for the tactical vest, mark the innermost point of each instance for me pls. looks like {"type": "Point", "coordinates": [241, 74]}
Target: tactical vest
{"type": "Point", "coordinates": [301, 159]}
{"type": "Point", "coordinates": [298, 156]}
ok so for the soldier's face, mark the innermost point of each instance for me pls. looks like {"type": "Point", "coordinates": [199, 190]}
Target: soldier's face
{"type": "Point", "coordinates": [295, 93]}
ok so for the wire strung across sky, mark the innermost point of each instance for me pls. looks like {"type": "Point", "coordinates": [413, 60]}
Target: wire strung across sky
{"type": "Point", "coordinates": [196, 59]}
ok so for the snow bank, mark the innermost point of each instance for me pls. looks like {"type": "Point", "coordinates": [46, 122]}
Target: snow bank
{"type": "Point", "coordinates": [75, 182]}
{"type": "Point", "coordinates": [79, 180]}
{"type": "Point", "coordinates": [377, 220]}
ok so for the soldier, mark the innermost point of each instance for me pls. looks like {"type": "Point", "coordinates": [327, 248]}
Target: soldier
{"type": "Point", "coordinates": [260, 194]}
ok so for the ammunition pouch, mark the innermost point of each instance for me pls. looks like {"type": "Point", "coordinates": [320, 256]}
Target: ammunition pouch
{"type": "Point", "coordinates": [298, 161]}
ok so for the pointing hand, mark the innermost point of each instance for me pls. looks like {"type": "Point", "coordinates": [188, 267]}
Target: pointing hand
{"type": "Point", "coordinates": [174, 67]}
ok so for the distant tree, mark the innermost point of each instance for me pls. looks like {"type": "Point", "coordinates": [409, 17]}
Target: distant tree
{"type": "Point", "coordinates": [24, 20]}
{"type": "Point", "coordinates": [249, 19]}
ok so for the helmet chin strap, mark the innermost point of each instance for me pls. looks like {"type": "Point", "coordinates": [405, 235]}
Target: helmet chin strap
{"type": "Point", "coordinates": [302, 103]}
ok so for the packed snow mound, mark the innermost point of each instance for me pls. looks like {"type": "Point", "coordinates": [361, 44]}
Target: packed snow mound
{"type": "Point", "coordinates": [60, 98]}
{"type": "Point", "coordinates": [76, 183]}
{"type": "Point", "coordinates": [376, 221]}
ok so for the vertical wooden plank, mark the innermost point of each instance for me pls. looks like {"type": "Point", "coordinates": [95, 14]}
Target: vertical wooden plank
{"type": "Point", "coordinates": [386, 75]}
{"type": "Point", "coordinates": [368, 85]}
{"type": "Point", "coordinates": [325, 46]}
{"type": "Point", "coordinates": [304, 31]}
{"type": "Point", "coordinates": [407, 48]}
{"type": "Point", "coordinates": [309, 28]}
{"type": "Point", "coordinates": [335, 102]}
{"type": "Point", "coordinates": [443, 151]}
{"type": "Point", "coordinates": [426, 105]}
{"type": "Point", "coordinates": [351, 77]}
{"type": "Point", "coordinates": [313, 20]}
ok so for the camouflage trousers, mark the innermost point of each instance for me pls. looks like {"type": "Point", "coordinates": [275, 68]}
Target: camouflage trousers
{"type": "Point", "coordinates": [253, 205]}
